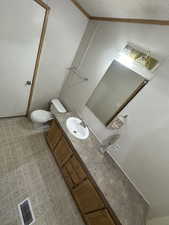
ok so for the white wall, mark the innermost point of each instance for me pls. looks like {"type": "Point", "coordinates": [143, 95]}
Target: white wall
{"type": "Point", "coordinates": [159, 221]}
{"type": "Point", "coordinates": [106, 41]}
{"type": "Point", "coordinates": [65, 29]}
{"type": "Point", "coordinates": [144, 141]}
{"type": "Point", "coordinates": [73, 84]}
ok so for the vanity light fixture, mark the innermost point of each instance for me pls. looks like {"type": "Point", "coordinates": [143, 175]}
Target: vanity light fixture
{"type": "Point", "coordinates": [132, 57]}
{"type": "Point", "coordinates": [125, 59]}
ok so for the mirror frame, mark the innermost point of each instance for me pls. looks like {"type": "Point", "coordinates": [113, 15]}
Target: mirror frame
{"type": "Point", "coordinates": [135, 92]}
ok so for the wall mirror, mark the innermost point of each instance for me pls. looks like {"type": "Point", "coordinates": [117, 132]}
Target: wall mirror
{"type": "Point", "coordinates": [117, 88]}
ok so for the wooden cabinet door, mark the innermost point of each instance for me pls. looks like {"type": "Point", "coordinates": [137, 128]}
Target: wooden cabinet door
{"type": "Point", "coordinates": [101, 217]}
{"type": "Point", "coordinates": [73, 172]}
{"type": "Point", "coordinates": [54, 135]}
{"type": "Point", "coordinates": [87, 197]}
{"type": "Point", "coordinates": [62, 151]}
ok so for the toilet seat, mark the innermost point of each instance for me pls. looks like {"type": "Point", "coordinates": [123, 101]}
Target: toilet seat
{"type": "Point", "coordinates": [41, 116]}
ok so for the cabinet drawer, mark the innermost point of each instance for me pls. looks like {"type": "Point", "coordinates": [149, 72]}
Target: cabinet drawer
{"type": "Point", "coordinates": [73, 172]}
{"type": "Point", "coordinates": [101, 217]}
{"type": "Point", "coordinates": [62, 151]}
{"type": "Point", "coordinates": [54, 135]}
{"type": "Point", "coordinates": [87, 197]}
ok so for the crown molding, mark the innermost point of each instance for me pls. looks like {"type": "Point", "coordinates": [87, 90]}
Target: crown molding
{"type": "Point", "coordinates": [81, 8]}
{"type": "Point", "coordinates": [122, 20]}
{"type": "Point", "coordinates": [43, 4]}
{"type": "Point", "coordinates": [131, 20]}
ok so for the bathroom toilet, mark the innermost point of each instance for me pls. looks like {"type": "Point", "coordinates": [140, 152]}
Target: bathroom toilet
{"type": "Point", "coordinates": [40, 118]}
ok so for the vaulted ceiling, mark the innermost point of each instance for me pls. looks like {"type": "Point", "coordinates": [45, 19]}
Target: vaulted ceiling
{"type": "Point", "coordinates": [142, 9]}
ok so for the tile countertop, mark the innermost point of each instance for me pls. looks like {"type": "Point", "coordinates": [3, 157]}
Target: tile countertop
{"type": "Point", "coordinates": [126, 202]}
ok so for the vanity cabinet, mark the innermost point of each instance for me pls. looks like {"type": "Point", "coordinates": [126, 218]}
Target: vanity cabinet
{"type": "Point", "coordinates": [62, 151]}
{"type": "Point", "coordinates": [91, 203]}
{"type": "Point", "coordinates": [73, 172]}
{"type": "Point", "coordinates": [101, 217]}
{"type": "Point", "coordinates": [54, 135]}
{"type": "Point", "coordinates": [87, 197]}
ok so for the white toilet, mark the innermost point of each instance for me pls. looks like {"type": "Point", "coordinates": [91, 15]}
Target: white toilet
{"type": "Point", "coordinates": [41, 117]}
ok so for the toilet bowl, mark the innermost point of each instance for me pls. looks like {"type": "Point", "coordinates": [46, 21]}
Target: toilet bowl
{"type": "Point", "coordinates": [41, 117]}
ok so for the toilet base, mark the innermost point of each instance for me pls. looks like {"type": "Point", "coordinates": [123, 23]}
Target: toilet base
{"type": "Point", "coordinates": [41, 127]}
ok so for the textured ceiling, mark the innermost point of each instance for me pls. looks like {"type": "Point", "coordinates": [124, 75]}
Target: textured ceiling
{"type": "Point", "coordinates": [143, 9]}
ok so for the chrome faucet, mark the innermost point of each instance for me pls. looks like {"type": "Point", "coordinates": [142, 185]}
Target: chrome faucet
{"type": "Point", "coordinates": [83, 124]}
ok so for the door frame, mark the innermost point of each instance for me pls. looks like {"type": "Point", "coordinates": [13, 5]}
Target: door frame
{"type": "Point", "coordinates": [38, 57]}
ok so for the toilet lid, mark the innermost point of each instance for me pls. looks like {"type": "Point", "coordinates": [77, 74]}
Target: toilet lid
{"type": "Point", "coordinates": [41, 116]}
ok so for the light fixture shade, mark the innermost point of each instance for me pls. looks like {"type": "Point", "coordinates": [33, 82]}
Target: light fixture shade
{"type": "Point", "coordinates": [131, 55]}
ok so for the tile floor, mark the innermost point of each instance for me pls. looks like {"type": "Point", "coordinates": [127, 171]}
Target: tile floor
{"type": "Point", "coordinates": [27, 169]}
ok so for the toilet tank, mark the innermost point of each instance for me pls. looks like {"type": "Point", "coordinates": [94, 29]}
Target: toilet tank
{"type": "Point", "coordinates": [57, 107]}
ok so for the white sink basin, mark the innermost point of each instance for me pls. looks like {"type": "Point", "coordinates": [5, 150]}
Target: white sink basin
{"type": "Point", "coordinates": [75, 128]}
